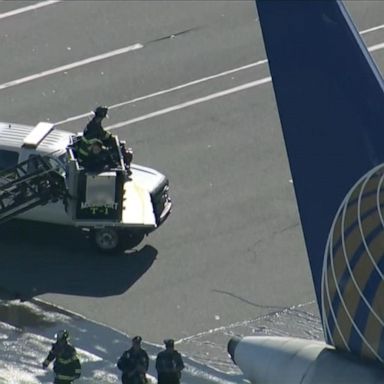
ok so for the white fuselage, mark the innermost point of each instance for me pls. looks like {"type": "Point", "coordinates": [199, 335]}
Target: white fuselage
{"type": "Point", "coordinates": [288, 360]}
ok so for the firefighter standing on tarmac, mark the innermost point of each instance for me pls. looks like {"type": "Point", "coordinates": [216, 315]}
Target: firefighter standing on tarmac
{"type": "Point", "coordinates": [134, 363]}
{"type": "Point", "coordinates": [169, 364]}
{"type": "Point", "coordinates": [66, 364]}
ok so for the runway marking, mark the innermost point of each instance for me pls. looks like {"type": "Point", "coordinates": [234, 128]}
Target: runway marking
{"type": "Point", "coordinates": [206, 98]}
{"type": "Point", "coordinates": [125, 50]}
{"type": "Point", "coordinates": [191, 102]}
{"type": "Point", "coordinates": [376, 47]}
{"type": "Point", "coordinates": [372, 29]}
{"type": "Point", "coordinates": [28, 8]}
{"type": "Point", "coordinates": [181, 86]}
{"type": "Point", "coordinates": [72, 65]}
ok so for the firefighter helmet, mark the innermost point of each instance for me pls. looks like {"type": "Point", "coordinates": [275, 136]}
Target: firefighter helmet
{"type": "Point", "coordinates": [137, 340]}
{"type": "Point", "coordinates": [169, 343]}
{"type": "Point", "coordinates": [62, 335]}
{"type": "Point", "coordinates": [101, 111]}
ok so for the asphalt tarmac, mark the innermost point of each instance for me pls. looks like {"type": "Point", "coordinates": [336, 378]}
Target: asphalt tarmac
{"type": "Point", "coordinates": [233, 248]}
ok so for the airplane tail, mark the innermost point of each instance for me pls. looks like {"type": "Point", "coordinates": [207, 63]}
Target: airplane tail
{"type": "Point", "coordinates": [330, 98]}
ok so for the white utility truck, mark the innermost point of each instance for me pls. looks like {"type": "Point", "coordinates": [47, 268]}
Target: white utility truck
{"type": "Point", "coordinates": [42, 179]}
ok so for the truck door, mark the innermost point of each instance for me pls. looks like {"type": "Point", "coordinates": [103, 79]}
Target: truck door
{"type": "Point", "coordinates": [8, 159]}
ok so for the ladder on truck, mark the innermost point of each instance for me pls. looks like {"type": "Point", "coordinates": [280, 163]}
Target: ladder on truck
{"type": "Point", "coordinates": [31, 183]}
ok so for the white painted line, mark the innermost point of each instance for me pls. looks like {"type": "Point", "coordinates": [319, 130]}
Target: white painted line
{"type": "Point", "coordinates": [203, 79]}
{"type": "Point", "coordinates": [28, 8]}
{"type": "Point", "coordinates": [225, 73]}
{"type": "Point", "coordinates": [118, 52]}
{"type": "Point", "coordinates": [260, 62]}
{"type": "Point", "coordinates": [190, 103]}
{"type": "Point", "coordinates": [376, 47]}
{"type": "Point", "coordinates": [373, 29]}
{"type": "Point", "coordinates": [70, 66]}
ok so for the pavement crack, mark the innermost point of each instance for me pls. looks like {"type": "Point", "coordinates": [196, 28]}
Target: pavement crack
{"type": "Point", "coordinates": [248, 301]}
{"type": "Point", "coordinates": [173, 35]}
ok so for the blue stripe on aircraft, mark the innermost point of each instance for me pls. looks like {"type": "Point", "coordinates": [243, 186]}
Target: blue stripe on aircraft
{"type": "Point", "coordinates": [346, 276]}
{"type": "Point", "coordinates": [381, 345]}
{"type": "Point", "coordinates": [352, 227]}
{"type": "Point", "coordinates": [363, 311]}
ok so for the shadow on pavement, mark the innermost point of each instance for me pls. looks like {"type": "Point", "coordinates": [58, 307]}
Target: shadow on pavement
{"type": "Point", "coordinates": [42, 258]}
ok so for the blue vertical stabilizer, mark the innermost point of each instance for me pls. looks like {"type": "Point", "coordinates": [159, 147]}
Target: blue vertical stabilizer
{"type": "Point", "coordinates": [331, 105]}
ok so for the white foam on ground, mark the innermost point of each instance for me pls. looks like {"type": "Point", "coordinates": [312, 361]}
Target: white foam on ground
{"type": "Point", "coordinates": [23, 349]}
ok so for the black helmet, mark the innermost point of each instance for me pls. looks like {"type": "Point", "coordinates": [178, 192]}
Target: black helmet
{"type": "Point", "coordinates": [169, 343]}
{"type": "Point", "coordinates": [62, 335]}
{"type": "Point", "coordinates": [136, 340]}
{"type": "Point", "coordinates": [101, 111]}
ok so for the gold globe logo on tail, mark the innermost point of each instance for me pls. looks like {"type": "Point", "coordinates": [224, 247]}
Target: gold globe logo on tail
{"type": "Point", "coordinates": [352, 278]}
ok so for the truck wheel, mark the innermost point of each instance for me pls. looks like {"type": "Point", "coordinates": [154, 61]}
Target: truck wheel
{"type": "Point", "coordinates": [106, 239]}
{"type": "Point", "coordinates": [132, 239]}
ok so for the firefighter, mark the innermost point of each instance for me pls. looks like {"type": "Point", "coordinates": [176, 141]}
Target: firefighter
{"type": "Point", "coordinates": [169, 364]}
{"type": "Point", "coordinates": [93, 132]}
{"type": "Point", "coordinates": [134, 363]}
{"type": "Point", "coordinates": [66, 366]}
{"type": "Point", "coordinates": [82, 148]}
{"type": "Point", "coordinates": [93, 155]}
{"type": "Point", "coordinates": [94, 129]}
{"type": "Point", "coordinates": [127, 154]}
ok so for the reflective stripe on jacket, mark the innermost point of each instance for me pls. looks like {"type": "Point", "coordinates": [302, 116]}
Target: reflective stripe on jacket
{"type": "Point", "coordinates": [66, 363]}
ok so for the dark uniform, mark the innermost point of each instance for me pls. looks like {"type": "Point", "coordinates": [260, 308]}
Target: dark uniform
{"type": "Point", "coordinates": [169, 364]}
{"type": "Point", "coordinates": [134, 363]}
{"type": "Point", "coordinates": [95, 133]}
{"type": "Point", "coordinates": [96, 158]}
{"type": "Point", "coordinates": [127, 154]}
{"type": "Point", "coordinates": [94, 129]}
{"type": "Point", "coordinates": [66, 364]}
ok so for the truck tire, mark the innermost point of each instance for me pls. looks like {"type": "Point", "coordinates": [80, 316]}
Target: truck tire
{"type": "Point", "coordinates": [106, 240]}
{"type": "Point", "coordinates": [131, 239]}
